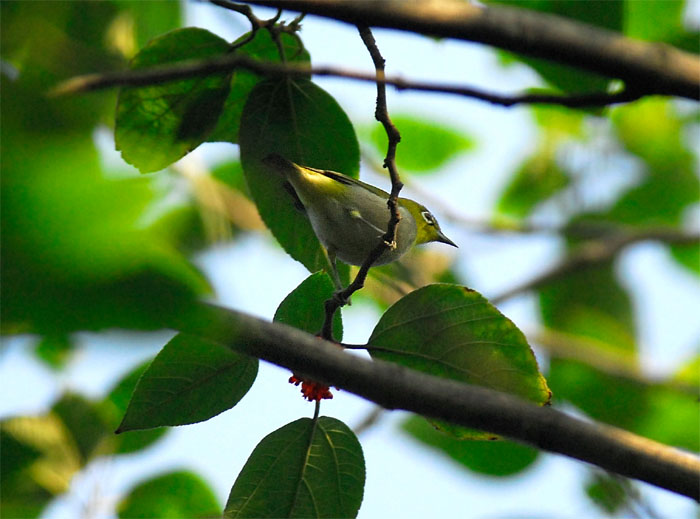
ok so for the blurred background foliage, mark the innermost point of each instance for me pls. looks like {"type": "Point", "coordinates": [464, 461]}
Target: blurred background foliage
{"type": "Point", "coordinates": [86, 246]}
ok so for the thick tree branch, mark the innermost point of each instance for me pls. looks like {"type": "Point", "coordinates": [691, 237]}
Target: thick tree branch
{"type": "Point", "coordinates": [395, 387]}
{"type": "Point", "coordinates": [650, 68]}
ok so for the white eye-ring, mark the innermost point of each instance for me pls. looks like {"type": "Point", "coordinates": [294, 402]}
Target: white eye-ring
{"type": "Point", "coordinates": [429, 218]}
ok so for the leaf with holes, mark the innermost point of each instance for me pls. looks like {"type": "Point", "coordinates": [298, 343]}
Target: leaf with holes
{"type": "Point", "coordinates": [189, 381]}
{"type": "Point", "coordinates": [453, 332]}
{"type": "Point", "coordinates": [304, 469]}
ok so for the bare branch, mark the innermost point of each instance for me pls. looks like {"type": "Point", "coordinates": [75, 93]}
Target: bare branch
{"type": "Point", "coordinates": [194, 68]}
{"type": "Point", "coordinates": [389, 239]}
{"type": "Point", "coordinates": [395, 387]}
{"type": "Point", "coordinates": [651, 68]}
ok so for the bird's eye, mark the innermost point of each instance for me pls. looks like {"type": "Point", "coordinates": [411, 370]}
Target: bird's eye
{"type": "Point", "coordinates": [429, 218]}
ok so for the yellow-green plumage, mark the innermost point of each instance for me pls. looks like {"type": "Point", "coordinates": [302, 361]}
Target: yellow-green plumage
{"type": "Point", "coordinates": [349, 217]}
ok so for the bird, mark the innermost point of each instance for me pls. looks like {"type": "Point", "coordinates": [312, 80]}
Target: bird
{"type": "Point", "coordinates": [349, 216]}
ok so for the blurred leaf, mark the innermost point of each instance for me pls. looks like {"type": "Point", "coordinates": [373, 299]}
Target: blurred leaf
{"type": "Point", "coordinates": [536, 179]}
{"type": "Point", "coordinates": [139, 22]}
{"type": "Point", "coordinates": [303, 308]}
{"type": "Point", "coordinates": [606, 492]}
{"type": "Point", "coordinates": [688, 256]}
{"type": "Point", "coordinates": [654, 20]}
{"type": "Point", "coordinates": [189, 381]}
{"type": "Point", "coordinates": [503, 458]}
{"type": "Point", "coordinates": [261, 48]}
{"type": "Point", "coordinates": [75, 253]}
{"type": "Point", "coordinates": [591, 303]}
{"type": "Point", "coordinates": [54, 351]}
{"type": "Point", "coordinates": [158, 124]}
{"type": "Point", "coordinates": [453, 332]}
{"type": "Point", "coordinates": [83, 422]}
{"type": "Point", "coordinates": [175, 495]}
{"type": "Point", "coordinates": [653, 131]}
{"type": "Point", "coordinates": [303, 123]}
{"type": "Point", "coordinates": [113, 408]}
{"type": "Point", "coordinates": [20, 495]}
{"type": "Point", "coordinates": [304, 469]}
{"type": "Point", "coordinates": [47, 42]}
{"type": "Point", "coordinates": [425, 145]}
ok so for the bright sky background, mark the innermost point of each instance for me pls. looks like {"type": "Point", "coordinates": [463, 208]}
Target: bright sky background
{"type": "Point", "coordinates": [254, 275]}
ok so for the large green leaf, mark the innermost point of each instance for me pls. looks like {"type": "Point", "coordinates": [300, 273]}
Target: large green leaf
{"type": "Point", "coordinates": [303, 308]}
{"type": "Point", "coordinates": [654, 20]}
{"type": "Point", "coordinates": [84, 424]}
{"type": "Point", "coordinates": [304, 469]}
{"type": "Point", "coordinates": [175, 495]}
{"type": "Point", "coordinates": [454, 332]}
{"type": "Point", "coordinates": [425, 145]}
{"type": "Point", "coordinates": [158, 124]}
{"type": "Point", "coordinates": [189, 381]}
{"type": "Point", "coordinates": [503, 458]}
{"type": "Point", "coordinates": [303, 123]}
{"type": "Point", "coordinates": [261, 48]}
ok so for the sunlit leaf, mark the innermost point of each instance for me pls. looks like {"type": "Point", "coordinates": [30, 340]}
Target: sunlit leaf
{"type": "Point", "coordinates": [175, 495]}
{"type": "Point", "coordinates": [303, 308]}
{"type": "Point", "coordinates": [654, 20]}
{"type": "Point", "coordinates": [453, 332]}
{"type": "Point", "coordinates": [189, 381]}
{"type": "Point", "coordinates": [425, 145]}
{"type": "Point", "coordinates": [158, 124]}
{"type": "Point", "coordinates": [304, 469]}
{"type": "Point", "coordinates": [261, 48]}
{"type": "Point", "coordinates": [303, 123]}
{"type": "Point", "coordinates": [502, 458]}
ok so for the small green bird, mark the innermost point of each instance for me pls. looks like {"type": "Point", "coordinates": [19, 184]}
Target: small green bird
{"type": "Point", "coordinates": [349, 217]}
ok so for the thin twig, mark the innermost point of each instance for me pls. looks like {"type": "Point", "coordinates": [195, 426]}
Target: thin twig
{"type": "Point", "coordinates": [387, 241]}
{"type": "Point", "coordinates": [192, 68]}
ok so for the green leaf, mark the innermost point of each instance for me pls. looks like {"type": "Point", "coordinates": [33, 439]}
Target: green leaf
{"type": "Point", "coordinates": [654, 20]}
{"type": "Point", "coordinates": [20, 495]}
{"type": "Point", "coordinates": [653, 131]}
{"type": "Point", "coordinates": [83, 422]}
{"type": "Point", "coordinates": [607, 492]}
{"type": "Point", "coordinates": [453, 332]}
{"type": "Point", "coordinates": [75, 253]}
{"type": "Point", "coordinates": [54, 351]}
{"type": "Point", "coordinates": [503, 458]}
{"type": "Point", "coordinates": [115, 405]}
{"type": "Point", "coordinates": [591, 303]}
{"type": "Point", "coordinates": [303, 308]}
{"type": "Point", "coordinates": [158, 124]}
{"type": "Point", "coordinates": [261, 48]}
{"type": "Point", "coordinates": [688, 256]}
{"type": "Point", "coordinates": [175, 495]}
{"type": "Point", "coordinates": [425, 145]}
{"type": "Point", "coordinates": [303, 123]}
{"type": "Point", "coordinates": [537, 179]}
{"type": "Point", "coordinates": [139, 22]}
{"type": "Point", "coordinates": [189, 381]}
{"type": "Point", "coordinates": [304, 469]}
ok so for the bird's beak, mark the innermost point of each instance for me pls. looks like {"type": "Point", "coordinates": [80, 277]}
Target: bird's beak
{"type": "Point", "coordinates": [444, 239]}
